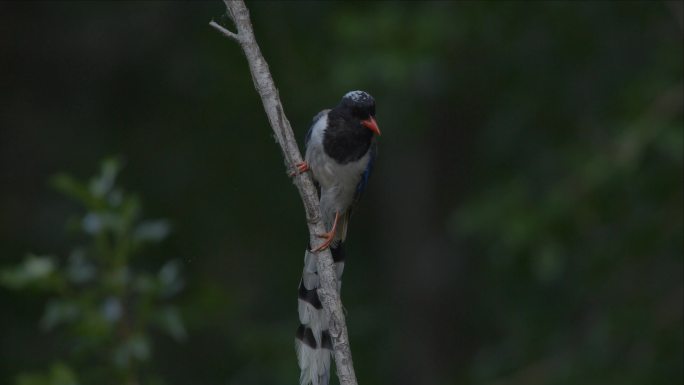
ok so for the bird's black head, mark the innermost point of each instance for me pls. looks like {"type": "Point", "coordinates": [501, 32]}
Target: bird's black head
{"type": "Point", "coordinates": [361, 105]}
{"type": "Point", "coordinates": [351, 127]}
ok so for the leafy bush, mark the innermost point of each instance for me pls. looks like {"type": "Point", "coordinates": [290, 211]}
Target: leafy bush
{"type": "Point", "coordinates": [98, 299]}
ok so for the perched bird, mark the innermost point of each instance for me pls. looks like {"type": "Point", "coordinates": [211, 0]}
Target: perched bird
{"type": "Point", "coordinates": [340, 151]}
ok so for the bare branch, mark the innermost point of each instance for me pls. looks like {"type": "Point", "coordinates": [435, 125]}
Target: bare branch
{"type": "Point", "coordinates": [225, 31]}
{"type": "Point", "coordinates": [263, 82]}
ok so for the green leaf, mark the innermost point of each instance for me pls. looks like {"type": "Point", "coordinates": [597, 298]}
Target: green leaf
{"type": "Point", "coordinates": [79, 270]}
{"type": "Point", "coordinates": [59, 374]}
{"type": "Point", "coordinates": [72, 188]}
{"type": "Point", "coordinates": [97, 222]}
{"type": "Point", "coordinates": [59, 311]}
{"type": "Point", "coordinates": [102, 184]}
{"type": "Point", "coordinates": [111, 309]}
{"type": "Point", "coordinates": [129, 211]}
{"type": "Point", "coordinates": [169, 319]}
{"type": "Point", "coordinates": [92, 326]}
{"type": "Point", "coordinates": [152, 231]}
{"type": "Point", "coordinates": [170, 279]}
{"type": "Point", "coordinates": [35, 270]}
{"type": "Point", "coordinates": [135, 348]}
{"type": "Point", "coordinates": [145, 284]}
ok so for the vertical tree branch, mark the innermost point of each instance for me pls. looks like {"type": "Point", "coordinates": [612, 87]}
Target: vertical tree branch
{"type": "Point", "coordinates": [263, 82]}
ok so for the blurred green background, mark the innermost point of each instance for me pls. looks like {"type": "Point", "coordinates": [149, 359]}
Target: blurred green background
{"type": "Point", "coordinates": [523, 224]}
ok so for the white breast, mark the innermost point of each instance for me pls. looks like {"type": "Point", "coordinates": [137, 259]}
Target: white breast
{"type": "Point", "coordinates": [338, 181]}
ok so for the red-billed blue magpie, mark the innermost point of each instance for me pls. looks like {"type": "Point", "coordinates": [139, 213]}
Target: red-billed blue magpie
{"type": "Point", "coordinates": [340, 151]}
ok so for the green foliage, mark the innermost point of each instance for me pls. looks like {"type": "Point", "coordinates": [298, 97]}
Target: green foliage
{"type": "Point", "coordinates": [103, 304]}
{"type": "Point", "coordinates": [591, 237]}
{"type": "Point", "coordinates": [59, 374]}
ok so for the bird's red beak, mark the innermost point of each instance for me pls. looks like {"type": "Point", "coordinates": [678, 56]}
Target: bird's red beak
{"type": "Point", "coordinates": [371, 124]}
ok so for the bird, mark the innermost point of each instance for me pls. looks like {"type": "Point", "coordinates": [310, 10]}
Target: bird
{"type": "Point", "coordinates": [341, 148]}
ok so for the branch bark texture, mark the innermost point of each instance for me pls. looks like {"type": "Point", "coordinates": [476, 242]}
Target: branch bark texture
{"type": "Point", "coordinates": [263, 82]}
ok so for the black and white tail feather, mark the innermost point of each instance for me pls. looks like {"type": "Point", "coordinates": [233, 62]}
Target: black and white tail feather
{"type": "Point", "coordinates": [313, 343]}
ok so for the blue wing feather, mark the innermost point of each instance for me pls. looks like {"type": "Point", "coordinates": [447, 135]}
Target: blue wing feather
{"type": "Point", "coordinates": [363, 183]}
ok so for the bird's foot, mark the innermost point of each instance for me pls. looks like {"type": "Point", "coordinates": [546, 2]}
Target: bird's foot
{"type": "Point", "coordinates": [328, 240]}
{"type": "Point", "coordinates": [301, 168]}
{"type": "Point", "coordinates": [329, 236]}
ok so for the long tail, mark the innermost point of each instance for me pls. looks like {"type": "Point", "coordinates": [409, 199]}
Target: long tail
{"type": "Point", "coordinates": [312, 342]}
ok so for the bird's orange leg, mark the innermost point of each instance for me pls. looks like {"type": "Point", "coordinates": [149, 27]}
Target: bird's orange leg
{"type": "Point", "coordinates": [301, 168]}
{"type": "Point", "coordinates": [329, 235]}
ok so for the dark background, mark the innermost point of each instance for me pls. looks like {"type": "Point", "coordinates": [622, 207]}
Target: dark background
{"type": "Point", "coordinates": [523, 224]}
